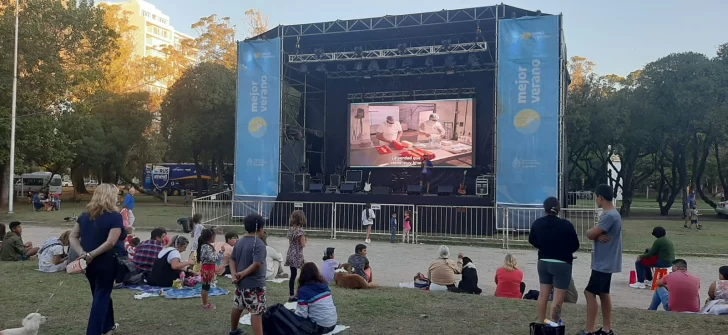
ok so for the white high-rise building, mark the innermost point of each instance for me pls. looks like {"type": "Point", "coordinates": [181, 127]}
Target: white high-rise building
{"type": "Point", "coordinates": [154, 32]}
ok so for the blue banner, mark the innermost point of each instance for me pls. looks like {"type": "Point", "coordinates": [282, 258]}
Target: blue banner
{"type": "Point", "coordinates": [528, 109]}
{"type": "Point", "coordinates": [258, 122]}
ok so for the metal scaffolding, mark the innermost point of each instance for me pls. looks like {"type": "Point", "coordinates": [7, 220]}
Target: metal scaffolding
{"type": "Point", "coordinates": [430, 93]}
{"type": "Point", "coordinates": [401, 72]}
{"type": "Point", "coordinates": [417, 51]}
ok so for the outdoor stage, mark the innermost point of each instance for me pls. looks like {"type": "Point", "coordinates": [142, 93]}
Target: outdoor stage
{"type": "Point", "coordinates": [480, 91]}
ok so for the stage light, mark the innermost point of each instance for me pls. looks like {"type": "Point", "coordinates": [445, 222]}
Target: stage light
{"type": "Point", "coordinates": [359, 66]}
{"type": "Point", "coordinates": [402, 47]}
{"type": "Point", "coordinates": [407, 63]}
{"type": "Point", "coordinates": [318, 52]}
{"type": "Point", "coordinates": [358, 51]}
{"type": "Point", "coordinates": [304, 68]}
{"type": "Point", "coordinates": [473, 60]}
{"type": "Point", "coordinates": [341, 68]}
{"type": "Point", "coordinates": [446, 44]}
{"type": "Point", "coordinates": [367, 76]}
{"type": "Point", "coordinates": [373, 66]}
{"type": "Point", "coordinates": [391, 64]}
{"type": "Point", "coordinates": [429, 62]}
{"type": "Point", "coordinates": [321, 68]}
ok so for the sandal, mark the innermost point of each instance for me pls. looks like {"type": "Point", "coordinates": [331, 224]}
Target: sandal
{"type": "Point", "coordinates": [209, 307]}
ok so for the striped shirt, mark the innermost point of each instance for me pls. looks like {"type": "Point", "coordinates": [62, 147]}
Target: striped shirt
{"type": "Point", "coordinates": [315, 302]}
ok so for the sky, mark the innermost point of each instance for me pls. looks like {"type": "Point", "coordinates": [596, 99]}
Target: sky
{"type": "Point", "coordinates": [620, 36]}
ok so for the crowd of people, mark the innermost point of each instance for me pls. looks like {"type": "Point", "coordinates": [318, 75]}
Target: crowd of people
{"type": "Point", "coordinates": [103, 238]}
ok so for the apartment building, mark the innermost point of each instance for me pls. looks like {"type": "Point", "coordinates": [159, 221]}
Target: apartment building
{"type": "Point", "coordinates": [154, 32]}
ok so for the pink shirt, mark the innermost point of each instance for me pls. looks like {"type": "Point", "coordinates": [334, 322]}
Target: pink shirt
{"type": "Point", "coordinates": [684, 291]}
{"type": "Point", "coordinates": [508, 283]}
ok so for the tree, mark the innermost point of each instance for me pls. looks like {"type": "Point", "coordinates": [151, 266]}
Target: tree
{"type": "Point", "coordinates": [198, 116]}
{"type": "Point", "coordinates": [216, 41]}
{"type": "Point", "coordinates": [61, 43]}
{"type": "Point", "coordinates": [256, 22]}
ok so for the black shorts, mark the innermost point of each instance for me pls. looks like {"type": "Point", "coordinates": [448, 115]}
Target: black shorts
{"type": "Point", "coordinates": [599, 283]}
{"type": "Point", "coordinates": [425, 177]}
{"type": "Point", "coordinates": [556, 274]}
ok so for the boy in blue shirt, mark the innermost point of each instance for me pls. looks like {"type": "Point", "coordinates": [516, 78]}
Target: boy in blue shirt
{"type": "Point", "coordinates": [393, 228]}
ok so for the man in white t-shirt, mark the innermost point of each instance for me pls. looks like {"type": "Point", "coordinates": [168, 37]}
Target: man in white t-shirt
{"type": "Point", "coordinates": [432, 127]}
{"type": "Point", "coordinates": [389, 130]}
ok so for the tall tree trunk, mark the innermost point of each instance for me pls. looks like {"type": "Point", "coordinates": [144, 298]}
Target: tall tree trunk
{"type": "Point", "coordinates": [4, 192]}
{"type": "Point", "coordinates": [698, 172]}
{"type": "Point", "coordinates": [721, 177]}
{"type": "Point", "coordinates": [77, 174]}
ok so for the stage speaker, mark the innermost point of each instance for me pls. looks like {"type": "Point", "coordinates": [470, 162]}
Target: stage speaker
{"type": "Point", "coordinates": [347, 188]}
{"type": "Point", "coordinates": [444, 190]}
{"type": "Point", "coordinates": [414, 189]}
{"type": "Point", "coordinates": [380, 190]}
{"type": "Point", "coordinates": [316, 188]}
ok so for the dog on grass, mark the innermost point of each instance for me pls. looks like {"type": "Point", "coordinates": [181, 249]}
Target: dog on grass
{"type": "Point", "coordinates": [31, 324]}
{"type": "Point", "coordinates": [346, 278]}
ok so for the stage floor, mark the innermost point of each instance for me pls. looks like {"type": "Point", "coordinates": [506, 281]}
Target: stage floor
{"type": "Point", "coordinates": [452, 200]}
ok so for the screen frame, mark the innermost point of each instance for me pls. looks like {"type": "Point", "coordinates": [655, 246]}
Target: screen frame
{"type": "Point", "coordinates": [348, 134]}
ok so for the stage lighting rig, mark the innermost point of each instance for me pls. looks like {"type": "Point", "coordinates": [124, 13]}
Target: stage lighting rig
{"type": "Point", "coordinates": [319, 53]}
{"type": "Point", "coordinates": [321, 67]}
{"type": "Point", "coordinates": [341, 67]}
{"type": "Point", "coordinates": [429, 62]}
{"type": "Point", "coordinates": [373, 66]}
{"type": "Point", "coordinates": [358, 52]}
{"type": "Point", "coordinates": [392, 64]}
{"type": "Point", "coordinates": [407, 63]}
{"type": "Point", "coordinates": [402, 48]}
{"type": "Point", "coordinates": [473, 60]}
{"type": "Point", "coordinates": [304, 68]}
{"type": "Point", "coordinates": [446, 44]}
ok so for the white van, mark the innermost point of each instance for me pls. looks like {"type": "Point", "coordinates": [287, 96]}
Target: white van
{"type": "Point", "coordinates": [36, 181]}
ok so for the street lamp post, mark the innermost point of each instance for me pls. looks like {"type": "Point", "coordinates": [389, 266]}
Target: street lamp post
{"type": "Point", "coordinates": [11, 174]}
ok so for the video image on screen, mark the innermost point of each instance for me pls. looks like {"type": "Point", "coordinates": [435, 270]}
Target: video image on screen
{"type": "Point", "coordinates": [402, 134]}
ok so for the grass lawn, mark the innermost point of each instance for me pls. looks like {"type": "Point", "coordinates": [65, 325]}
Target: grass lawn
{"type": "Point", "coordinates": [380, 311]}
{"type": "Point", "coordinates": [150, 212]}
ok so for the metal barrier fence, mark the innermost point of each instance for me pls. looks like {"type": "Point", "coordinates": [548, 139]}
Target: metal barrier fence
{"type": "Point", "coordinates": [507, 225]}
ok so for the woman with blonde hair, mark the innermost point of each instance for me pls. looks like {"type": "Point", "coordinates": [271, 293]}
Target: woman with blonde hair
{"type": "Point", "coordinates": [509, 279]}
{"type": "Point", "coordinates": [51, 256]}
{"type": "Point", "coordinates": [98, 237]}
{"type": "Point", "coordinates": [296, 242]}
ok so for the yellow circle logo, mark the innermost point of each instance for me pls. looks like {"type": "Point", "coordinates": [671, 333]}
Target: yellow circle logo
{"type": "Point", "coordinates": [257, 127]}
{"type": "Point", "coordinates": [527, 121]}
{"type": "Point", "coordinates": [527, 36]}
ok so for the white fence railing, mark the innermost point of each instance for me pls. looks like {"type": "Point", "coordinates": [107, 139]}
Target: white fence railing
{"type": "Point", "coordinates": [507, 226]}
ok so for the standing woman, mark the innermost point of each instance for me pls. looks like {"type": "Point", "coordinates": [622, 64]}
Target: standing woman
{"type": "Point", "coordinates": [556, 241]}
{"type": "Point", "coordinates": [296, 243]}
{"type": "Point", "coordinates": [367, 220]}
{"type": "Point", "coordinates": [96, 237]}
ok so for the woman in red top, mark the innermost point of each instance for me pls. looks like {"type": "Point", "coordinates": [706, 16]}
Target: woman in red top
{"type": "Point", "coordinates": [509, 279]}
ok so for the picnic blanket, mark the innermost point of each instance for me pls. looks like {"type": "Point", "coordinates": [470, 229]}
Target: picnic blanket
{"type": "Point", "coordinates": [170, 293]}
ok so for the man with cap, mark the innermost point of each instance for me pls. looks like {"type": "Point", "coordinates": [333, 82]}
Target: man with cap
{"type": "Point", "coordinates": [389, 130]}
{"type": "Point", "coordinates": [432, 127]}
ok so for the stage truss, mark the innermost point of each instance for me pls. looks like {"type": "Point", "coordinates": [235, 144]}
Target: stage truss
{"type": "Point", "coordinates": [405, 51]}
{"type": "Point", "coordinates": [431, 93]}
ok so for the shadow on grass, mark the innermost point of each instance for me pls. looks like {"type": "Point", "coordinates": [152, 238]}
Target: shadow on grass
{"type": "Point", "coordinates": [380, 311]}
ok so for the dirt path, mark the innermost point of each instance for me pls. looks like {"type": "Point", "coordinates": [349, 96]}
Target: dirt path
{"type": "Point", "coordinates": [395, 263]}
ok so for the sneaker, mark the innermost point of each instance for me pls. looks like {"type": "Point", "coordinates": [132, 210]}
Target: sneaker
{"type": "Point", "coordinates": [293, 299]}
{"type": "Point", "coordinates": [648, 283]}
{"type": "Point", "coordinates": [638, 285]}
{"type": "Point", "coordinates": [209, 307]}
{"type": "Point", "coordinates": [602, 332]}
{"type": "Point", "coordinates": [282, 275]}
{"type": "Point", "coordinates": [367, 241]}
{"type": "Point", "coordinates": [237, 332]}
{"type": "Point", "coordinates": [584, 332]}
{"type": "Point", "coordinates": [113, 329]}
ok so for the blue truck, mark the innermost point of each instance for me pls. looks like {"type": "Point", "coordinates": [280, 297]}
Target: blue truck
{"type": "Point", "coordinates": [174, 178]}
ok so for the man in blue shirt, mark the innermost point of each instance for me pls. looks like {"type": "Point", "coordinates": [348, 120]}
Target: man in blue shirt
{"type": "Point", "coordinates": [689, 204]}
{"type": "Point", "coordinates": [129, 204]}
{"type": "Point", "coordinates": [426, 172]}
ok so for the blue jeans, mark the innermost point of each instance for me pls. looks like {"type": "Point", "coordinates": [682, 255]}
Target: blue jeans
{"type": "Point", "coordinates": [101, 275]}
{"type": "Point", "coordinates": [660, 298]}
{"type": "Point", "coordinates": [644, 272]}
{"type": "Point", "coordinates": [392, 233]}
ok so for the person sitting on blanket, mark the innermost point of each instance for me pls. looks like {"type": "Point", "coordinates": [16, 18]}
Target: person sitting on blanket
{"type": "Point", "coordinates": [147, 252]}
{"type": "Point", "coordinates": [52, 257]}
{"type": "Point", "coordinates": [442, 271]}
{"type": "Point", "coordinates": [314, 299]}
{"type": "Point", "coordinates": [169, 264]}
{"type": "Point", "coordinates": [226, 247]}
{"type": "Point", "coordinates": [660, 255]}
{"type": "Point", "coordinates": [273, 261]}
{"type": "Point", "coordinates": [469, 283]}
